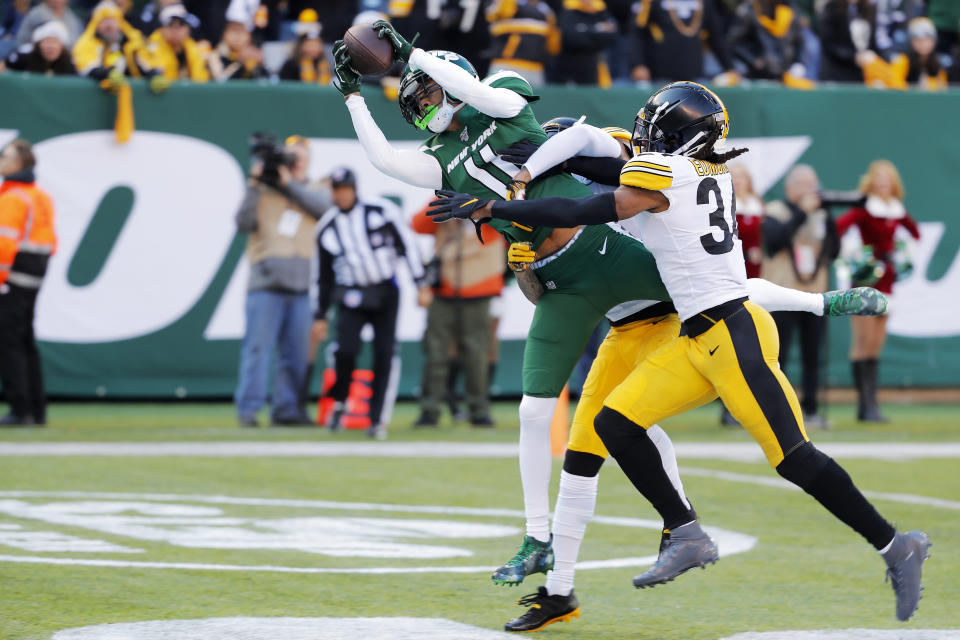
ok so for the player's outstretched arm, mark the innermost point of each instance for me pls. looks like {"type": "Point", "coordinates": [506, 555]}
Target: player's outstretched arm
{"type": "Point", "coordinates": [579, 140]}
{"type": "Point", "coordinates": [624, 203]}
{"type": "Point", "coordinates": [496, 102]}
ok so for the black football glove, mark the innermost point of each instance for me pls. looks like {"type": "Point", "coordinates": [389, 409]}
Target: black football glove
{"type": "Point", "coordinates": [347, 79]}
{"type": "Point", "coordinates": [519, 152]}
{"type": "Point", "coordinates": [450, 205]}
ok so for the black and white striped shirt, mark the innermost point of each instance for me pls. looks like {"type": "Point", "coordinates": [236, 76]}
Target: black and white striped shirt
{"type": "Point", "coordinates": [361, 248]}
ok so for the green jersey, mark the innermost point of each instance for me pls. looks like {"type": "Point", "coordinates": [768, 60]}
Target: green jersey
{"type": "Point", "coordinates": [470, 164]}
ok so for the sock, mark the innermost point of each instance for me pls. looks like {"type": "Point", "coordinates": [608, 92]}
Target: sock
{"type": "Point", "coordinates": [669, 459]}
{"type": "Point", "coordinates": [575, 505]}
{"type": "Point", "coordinates": [536, 463]}
{"type": "Point", "coordinates": [642, 463]}
{"type": "Point", "coordinates": [773, 297]}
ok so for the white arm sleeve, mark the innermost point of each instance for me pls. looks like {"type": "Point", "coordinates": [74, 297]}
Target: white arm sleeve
{"type": "Point", "coordinates": [578, 140]}
{"type": "Point", "coordinates": [413, 167]}
{"type": "Point", "coordinates": [495, 102]}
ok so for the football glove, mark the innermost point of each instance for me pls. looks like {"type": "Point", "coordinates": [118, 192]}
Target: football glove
{"type": "Point", "coordinates": [519, 152]}
{"type": "Point", "coordinates": [347, 80]}
{"type": "Point", "coordinates": [520, 256]}
{"type": "Point", "coordinates": [517, 190]}
{"type": "Point", "coordinates": [450, 205]}
{"type": "Point", "coordinates": [401, 47]}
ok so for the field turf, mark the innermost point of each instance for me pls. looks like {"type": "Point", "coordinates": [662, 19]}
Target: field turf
{"type": "Point", "coordinates": [807, 571]}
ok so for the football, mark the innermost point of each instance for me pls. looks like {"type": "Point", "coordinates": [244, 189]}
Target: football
{"type": "Point", "coordinates": [370, 55]}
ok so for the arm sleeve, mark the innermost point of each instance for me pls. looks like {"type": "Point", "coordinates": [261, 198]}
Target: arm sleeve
{"type": "Point", "coordinates": [580, 140]}
{"type": "Point", "coordinates": [247, 215]}
{"type": "Point", "coordinates": [601, 170]}
{"type": "Point", "coordinates": [847, 220]}
{"type": "Point", "coordinates": [325, 281]}
{"type": "Point", "coordinates": [413, 167]}
{"type": "Point", "coordinates": [496, 102]}
{"type": "Point", "coordinates": [314, 201]}
{"type": "Point", "coordinates": [558, 212]}
{"type": "Point", "coordinates": [911, 225]}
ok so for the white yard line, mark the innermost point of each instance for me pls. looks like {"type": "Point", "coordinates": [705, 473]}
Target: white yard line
{"type": "Point", "coordinates": [731, 451]}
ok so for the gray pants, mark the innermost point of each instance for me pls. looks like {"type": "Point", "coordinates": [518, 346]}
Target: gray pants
{"type": "Point", "coordinates": [464, 323]}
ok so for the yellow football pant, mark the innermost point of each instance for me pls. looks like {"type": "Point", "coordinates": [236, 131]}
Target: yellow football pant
{"type": "Point", "coordinates": [736, 359]}
{"type": "Point", "coordinates": [621, 351]}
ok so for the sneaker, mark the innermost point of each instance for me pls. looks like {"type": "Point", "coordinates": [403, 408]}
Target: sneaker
{"type": "Point", "coordinates": [904, 562]}
{"type": "Point", "coordinates": [248, 421]}
{"type": "Point", "coordinates": [544, 609]}
{"type": "Point", "coordinates": [335, 419]}
{"type": "Point", "coordinates": [532, 557]}
{"type": "Point", "coordinates": [13, 420]}
{"type": "Point", "coordinates": [859, 301]}
{"type": "Point", "coordinates": [688, 546]}
{"type": "Point", "coordinates": [483, 422]}
{"type": "Point", "coordinates": [426, 420]}
{"type": "Point", "coordinates": [816, 421]}
{"type": "Point", "coordinates": [377, 432]}
{"type": "Point", "coordinates": [302, 420]}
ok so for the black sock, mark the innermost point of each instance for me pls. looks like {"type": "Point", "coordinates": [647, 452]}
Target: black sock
{"type": "Point", "coordinates": [640, 460]}
{"type": "Point", "coordinates": [820, 476]}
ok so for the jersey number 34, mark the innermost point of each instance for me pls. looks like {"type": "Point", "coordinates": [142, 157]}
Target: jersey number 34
{"type": "Point", "coordinates": [717, 218]}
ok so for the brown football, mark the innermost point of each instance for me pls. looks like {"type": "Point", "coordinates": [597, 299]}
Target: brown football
{"type": "Point", "coordinates": [370, 56]}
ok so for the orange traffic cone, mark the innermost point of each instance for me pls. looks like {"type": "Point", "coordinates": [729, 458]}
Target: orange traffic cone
{"type": "Point", "coordinates": [560, 426]}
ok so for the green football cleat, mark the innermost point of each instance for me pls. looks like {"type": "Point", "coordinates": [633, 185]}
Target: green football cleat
{"type": "Point", "coordinates": [533, 557]}
{"type": "Point", "coordinates": [859, 301]}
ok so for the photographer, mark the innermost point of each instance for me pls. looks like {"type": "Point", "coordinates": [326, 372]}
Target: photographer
{"type": "Point", "coordinates": [278, 212]}
{"type": "Point", "coordinates": [800, 241]}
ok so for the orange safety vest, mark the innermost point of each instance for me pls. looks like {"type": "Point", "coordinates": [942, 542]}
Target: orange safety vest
{"type": "Point", "coordinates": [27, 238]}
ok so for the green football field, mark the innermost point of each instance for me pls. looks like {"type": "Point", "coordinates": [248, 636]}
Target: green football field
{"type": "Point", "coordinates": [159, 514]}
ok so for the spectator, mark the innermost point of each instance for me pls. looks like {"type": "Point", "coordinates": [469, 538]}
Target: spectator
{"type": "Point", "coordinates": [261, 17]}
{"type": "Point", "coordinates": [450, 25]}
{"type": "Point", "coordinates": [278, 212]}
{"type": "Point", "coordinates": [27, 241]}
{"type": "Point", "coordinates": [800, 242]}
{"type": "Point", "coordinates": [848, 31]}
{"type": "Point", "coordinates": [47, 54]}
{"type": "Point", "coordinates": [211, 18]}
{"type": "Point", "coordinates": [110, 50]}
{"type": "Point", "coordinates": [587, 28]}
{"type": "Point", "coordinates": [12, 13]}
{"type": "Point", "coordinates": [236, 57]}
{"type": "Point", "coordinates": [308, 62]}
{"type": "Point", "coordinates": [945, 15]}
{"type": "Point", "coordinates": [524, 37]}
{"type": "Point", "coordinates": [919, 66]}
{"type": "Point", "coordinates": [360, 243]}
{"type": "Point", "coordinates": [767, 38]}
{"type": "Point", "coordinates": [667, 45]}
{"type": "Point", "coordinates": [469, 275]}
{"type": "Point", "coordinates": [147, 20]}
{"type": "Point", "coordinates": [45, 12]}
{"type": "Point", "coordinates": [893, 18]}
{"type": "Point", "coordinates": [877, 220]}
{"type": "Point", "coordinates": [750, 211]}
{"type": "Point", "coordinates": [173, 52]}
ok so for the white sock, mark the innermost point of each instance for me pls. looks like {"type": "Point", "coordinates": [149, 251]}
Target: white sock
{"type": "Point", "coordinates": [773, 297]}
{"type": "Point", "coordinates": [575, 505]}
{"type": "Point", "coordinates": [536, 463]}
{"type": "Point", "coordinates": [669, 459]}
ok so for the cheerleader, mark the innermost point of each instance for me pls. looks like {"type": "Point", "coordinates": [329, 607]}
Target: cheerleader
{"type": "Point", "coordinates": [877, 220]}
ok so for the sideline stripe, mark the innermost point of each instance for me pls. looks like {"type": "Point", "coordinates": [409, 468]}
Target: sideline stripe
{"type": "Point", "coordinates": [732, 451]}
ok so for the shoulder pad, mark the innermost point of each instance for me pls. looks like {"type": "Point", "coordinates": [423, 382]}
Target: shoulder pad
{"type": "Point", "coordinates": [648, 171]}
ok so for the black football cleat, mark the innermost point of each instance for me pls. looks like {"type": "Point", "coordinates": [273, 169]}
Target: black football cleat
{"type": "Point", "coordinates": [544, 609]}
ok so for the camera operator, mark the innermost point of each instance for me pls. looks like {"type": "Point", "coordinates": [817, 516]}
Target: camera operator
{"type": "Point", "coordinates": [800, 241]}
{"type": "Point", "coordinates": [279, 212]}
{"type": "Point", "coordinates": [360, 243]}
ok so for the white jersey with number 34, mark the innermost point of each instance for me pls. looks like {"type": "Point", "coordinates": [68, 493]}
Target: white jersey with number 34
{"type": "Point", "coordinates": [694, 241]}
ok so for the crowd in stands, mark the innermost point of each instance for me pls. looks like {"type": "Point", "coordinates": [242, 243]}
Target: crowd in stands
{"type": "Point", "coordinates": [883, 43]}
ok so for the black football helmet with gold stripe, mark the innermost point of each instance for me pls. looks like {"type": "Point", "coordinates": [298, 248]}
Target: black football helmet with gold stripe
{"type": "Point", "coordinates": [682, 118]}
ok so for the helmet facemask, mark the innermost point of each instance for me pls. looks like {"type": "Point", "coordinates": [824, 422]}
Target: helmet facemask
{"type": "Point", "coordinates": [414, 89]}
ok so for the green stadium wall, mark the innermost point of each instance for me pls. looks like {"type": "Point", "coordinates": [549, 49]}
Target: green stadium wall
{"type": "Point", "coordinates": [144, 298]}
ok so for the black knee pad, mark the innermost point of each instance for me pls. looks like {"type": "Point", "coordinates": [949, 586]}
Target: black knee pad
{"type": "Point", "coordinates": [615, 429]}
{"type": "Point", "coordinates": [580, 463]}
{"type": "Point", "coordinates": [802, 465]}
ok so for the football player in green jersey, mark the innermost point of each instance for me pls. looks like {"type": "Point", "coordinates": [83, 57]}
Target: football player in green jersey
{"type": "Point", "coordinates": [584, 271]}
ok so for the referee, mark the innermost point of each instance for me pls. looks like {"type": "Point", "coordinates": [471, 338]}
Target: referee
{"type": "Point", "coordinates": [360, 244]}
